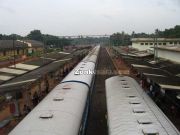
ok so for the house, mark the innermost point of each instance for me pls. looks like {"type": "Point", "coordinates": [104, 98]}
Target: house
{"type": "Point", "coordinates": [9, 48]}
{"type": "Point", "coordinates": [171, 53]}
{"type": "Point", "coordinates": [149, 43]}
{"type": "Point", "coordinates": [33, 46]}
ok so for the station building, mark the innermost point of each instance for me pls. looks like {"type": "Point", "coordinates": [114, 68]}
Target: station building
{"type": "Point", "coordinates": [149, 43]}
{"type": "Point", "coordinates": [7, 49]}
{"type": "Point", "coordinates": [170, 53]}
{"type": "Point", "coordinates": [33, 46]}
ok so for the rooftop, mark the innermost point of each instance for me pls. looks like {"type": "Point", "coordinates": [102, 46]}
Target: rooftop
{"type": "Point", "coordinates": [152, 39]}
{"type": "Point", "coordinates": [132, 52]}
{"type": "Point", "coordinates": [163, 72]}
{"type": "Point", "coordinates": [170, 48]}
{"type": "Point", "coordinates": [32, 71]}
{"type": "Point", "coordinates": [32, 43]}
{"type": "Point", "coordinates": [8, 44]}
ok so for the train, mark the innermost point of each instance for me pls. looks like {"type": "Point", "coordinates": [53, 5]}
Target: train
{"type": "Point", "coordinates": [130, 111]}
{"type": "Point", "coordinates": [64, 110]}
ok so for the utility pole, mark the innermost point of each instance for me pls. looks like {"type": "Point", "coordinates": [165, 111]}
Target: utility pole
{"type": "Point", "coordinates": [44, 42]}
{"type": "Point", "coordinates": [157, 32]}
{"type": "Point", "coordinates": [14, 53]}
{"type": "Point", "coordinates": [155, 45]}
{"type": "Point", "coordinates": [123, 35]}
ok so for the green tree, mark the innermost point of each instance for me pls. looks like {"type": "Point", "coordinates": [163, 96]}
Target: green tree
{"type": "Point", "coordinates": [35, 35]}
{"type": "Point", "coordinates": [121, 39]}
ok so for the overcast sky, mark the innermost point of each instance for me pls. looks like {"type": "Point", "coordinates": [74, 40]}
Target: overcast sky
{"type": "Point", "coordinates": [82, 17]}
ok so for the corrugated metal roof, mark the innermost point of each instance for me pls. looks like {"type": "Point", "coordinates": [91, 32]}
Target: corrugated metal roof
{"type": "Point", "coordinates": [26, 79]}
{"type": "Point", "coordinates": [8, 44]}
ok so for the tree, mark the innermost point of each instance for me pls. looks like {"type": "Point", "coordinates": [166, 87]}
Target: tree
{"type": "Point", "coordinates": [35, 35]}
{"type": "Point", "coordinates": [121, 39]}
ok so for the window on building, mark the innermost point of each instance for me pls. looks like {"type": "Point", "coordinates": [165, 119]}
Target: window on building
{"type": "Point", "coordinates": [164, 43]}
{"type": "Point", "coordinates": [151, 43]}
{"type": "Point", "coordinates": [146, 43]}
{"type": "Point", "coordinates": [159, 43]}
{"type": "Point", "coordinates": [175, 43]}
{"type": "Point", "coordinates": [170, 42]}
{"type": "Point", "coordinates": [142, 43]}
{"type": "Point", "coordinates": [155, 43]}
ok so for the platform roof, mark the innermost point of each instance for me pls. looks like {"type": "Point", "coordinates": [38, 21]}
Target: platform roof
{"type": "Point", "coordinates": [24, 66]}
{"type": "Point", "coordinates": [163, 72]}
{"type": "Point", "coordinates": [170, 48]}
{"type": "Point", "coordinates": [13, 71]}
{"type": "Point", "coordinates": [8, 44]}
{"type": "Point", "coordinates": [24, 80]}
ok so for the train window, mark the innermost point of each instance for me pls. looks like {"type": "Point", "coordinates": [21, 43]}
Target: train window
{"type": "Point", "coordinates": [46, 115]}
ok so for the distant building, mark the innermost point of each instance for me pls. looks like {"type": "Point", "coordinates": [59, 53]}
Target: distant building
{"type": "Point", "coordinates": [7, 48]}
{"type": "Point", "coordinates": [33, 45]}
{"type": "Point", "coordinates": [169, 53]}
{"type": "Point", "coordinates": [148, 43]}
{"type": "Point", "coordinates": [20, 48]}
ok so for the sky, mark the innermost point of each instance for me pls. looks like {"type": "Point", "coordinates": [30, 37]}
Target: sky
{"type": "Point", "coordinates": [87, 17]}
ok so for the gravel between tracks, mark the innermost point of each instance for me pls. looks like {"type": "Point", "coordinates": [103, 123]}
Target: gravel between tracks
{"type": "Point", "coordinates": [97, 122]}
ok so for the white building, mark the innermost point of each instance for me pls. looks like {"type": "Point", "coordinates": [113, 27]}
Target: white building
{"type": "Point", "coordinates": [169, 53]}
{"type": "Point", "coordinates": [149, 43]}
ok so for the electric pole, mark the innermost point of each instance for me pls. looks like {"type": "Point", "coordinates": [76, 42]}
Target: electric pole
{"type": "Point", "coordinates": [155, 45]}
{"type": "Point", "coordinates": [14, 53]}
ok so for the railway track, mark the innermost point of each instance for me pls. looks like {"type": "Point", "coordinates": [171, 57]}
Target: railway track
{"type": "Point", "coordinates": [97, 122]}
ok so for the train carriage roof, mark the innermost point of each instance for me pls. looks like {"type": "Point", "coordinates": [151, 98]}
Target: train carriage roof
{"type": "Point", "coordinates": [131, 111]}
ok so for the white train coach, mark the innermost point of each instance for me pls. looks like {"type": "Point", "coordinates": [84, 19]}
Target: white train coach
{"type": "Point", "coordinates": [64, 110]}
{"type": "Point", "coordinates": [131, 111]}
